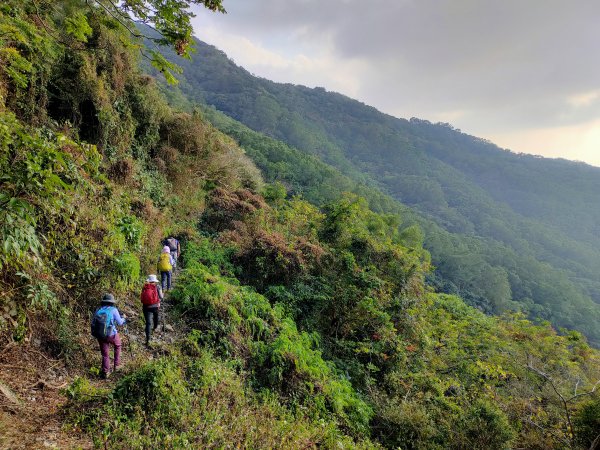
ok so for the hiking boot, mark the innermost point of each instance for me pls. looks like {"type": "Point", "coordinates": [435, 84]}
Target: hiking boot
{"type": "Point", "coordinates": [105, 375]}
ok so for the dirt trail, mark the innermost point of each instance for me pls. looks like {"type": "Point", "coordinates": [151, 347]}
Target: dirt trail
{"type": "Point", "coordinates": [30, 415]}
{"type": "Point", "coordinates": [134, 336]}
{"type": "Point", "coordinates": [31, 381]}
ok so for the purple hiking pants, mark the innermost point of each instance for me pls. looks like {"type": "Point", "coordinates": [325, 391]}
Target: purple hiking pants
{"type": "Point", "coordinates": [105, 344]}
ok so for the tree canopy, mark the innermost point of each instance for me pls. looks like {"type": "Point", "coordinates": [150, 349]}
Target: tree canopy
{"type": "Point", "coordinates": [505, 231]}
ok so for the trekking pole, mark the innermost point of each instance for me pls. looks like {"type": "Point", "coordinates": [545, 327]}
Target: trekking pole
{"type": "Point", "coordinates": [126, 329]}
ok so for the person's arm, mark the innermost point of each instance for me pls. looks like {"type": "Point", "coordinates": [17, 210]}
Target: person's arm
{"type": "Point", "coordinates": [178, 249]}
{"type": "Point", "coordinates": [117, 317]}
{"type": "Point", "coordinates": [160, 293]}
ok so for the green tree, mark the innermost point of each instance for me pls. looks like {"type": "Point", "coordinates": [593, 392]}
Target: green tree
{"type": "Point", "coordinates": [170, 18]}
{"type": "Point", "coordinates": [587, 424]}
{"type": "Point", "coordinates": [164, 23]}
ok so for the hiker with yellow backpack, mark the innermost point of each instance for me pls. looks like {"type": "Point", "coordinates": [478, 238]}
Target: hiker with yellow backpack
{"type": "Point", "coordinates": [175, 247]}
{"type": "Point", "coordinates": [165, 267]}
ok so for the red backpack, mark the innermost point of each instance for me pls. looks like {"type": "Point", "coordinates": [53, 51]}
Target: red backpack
{"type": "Point", "coordinates": [149, 294]}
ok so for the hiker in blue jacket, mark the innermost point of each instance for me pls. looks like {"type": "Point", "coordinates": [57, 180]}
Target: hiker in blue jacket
{"type": "Point", "coordinates": [104, 328]}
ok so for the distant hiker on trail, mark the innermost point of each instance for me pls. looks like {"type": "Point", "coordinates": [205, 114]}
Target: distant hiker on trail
{"type": "Point", "coordinates": [165, 266]}
{"type": "Point", "coordinates": [151, 297]}
{"type": "Point", "coordinates": [104, 328]}
{"type": "Point", "coordinates": [174, 247]}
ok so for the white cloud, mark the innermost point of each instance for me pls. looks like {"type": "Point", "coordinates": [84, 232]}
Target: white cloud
{"type": "Point", "coordinates": [319, 69]}
{"type": "Point", "coordinates": [524, 73]}
{"type": "Point", "coordinates": [243, 51]}
{"type": "Point", "coordinates": [583, 99]}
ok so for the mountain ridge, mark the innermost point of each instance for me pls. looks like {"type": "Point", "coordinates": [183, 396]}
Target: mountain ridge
{"type": "Point", "coordinates": [541, 208]}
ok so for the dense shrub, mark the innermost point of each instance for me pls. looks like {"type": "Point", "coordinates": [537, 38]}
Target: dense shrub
{"type": "Point", "coordinates": [199, 402]}
{"type": "Point", "coordinates": [215, 161]}
{"type": "Point", "coordinates": [242, 323]}
{"type": "Point", "coordinates": [483, 426]}
{"type": "Point", "coordinates": [587, 423]}
{"type": "Point", "coordinates": [127, 269]}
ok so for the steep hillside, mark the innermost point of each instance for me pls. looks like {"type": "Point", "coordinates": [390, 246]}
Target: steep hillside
{"type": "Point", "coordinates": [290, 325]}
{"type": "Point", "coordinates": [533, 221]}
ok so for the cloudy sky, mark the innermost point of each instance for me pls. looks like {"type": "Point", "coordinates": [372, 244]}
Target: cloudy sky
{"type": "Point", "coordinates": [523, 73]}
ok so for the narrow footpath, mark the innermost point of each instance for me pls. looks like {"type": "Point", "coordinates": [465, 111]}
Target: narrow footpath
{"type": "Point", "coordinates": [32, 383]}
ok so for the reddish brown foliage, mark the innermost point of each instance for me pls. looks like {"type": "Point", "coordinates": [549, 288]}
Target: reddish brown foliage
{"type": "Point", "coordinates": [187, 133]}
{"type": "Point", "coordinates": [144, 209]}
{"type": "Point", "coordinates": [267, 257]}
{"type": "Point", "coordinates": [168, 154]}
{"type": "Point", "coordinates": [224, 208]}
{"type": "Point", "coordinates": [265, 254]}
{"type": "Point", "coordinates": [121, 170]}
{"type": "Point", "coordinates": [255, 200]}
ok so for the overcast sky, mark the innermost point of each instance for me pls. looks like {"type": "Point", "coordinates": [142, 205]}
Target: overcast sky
{"type": "Point", "coordinates": [524, 74]}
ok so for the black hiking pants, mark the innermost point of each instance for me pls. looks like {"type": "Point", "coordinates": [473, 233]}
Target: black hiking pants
{"type": "Point", "coordinates": [151, 316]}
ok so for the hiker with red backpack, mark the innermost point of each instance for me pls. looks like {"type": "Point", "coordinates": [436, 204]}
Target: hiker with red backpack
{"type": "Point", "coordinates": [165, 267]}
{"type": "Point", "coordinates": [151, 297]}
{"type": "Point", "coordinates": [104, 328]}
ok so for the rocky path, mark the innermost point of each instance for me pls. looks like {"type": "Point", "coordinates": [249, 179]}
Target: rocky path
{"type": "Point", "coordinates": [167, 332]}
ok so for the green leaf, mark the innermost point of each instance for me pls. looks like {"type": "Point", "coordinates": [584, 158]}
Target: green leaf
{"type": "Point", "coordinates": [78, 27]}
{"type": "Point", "coordinates": [167, 68]}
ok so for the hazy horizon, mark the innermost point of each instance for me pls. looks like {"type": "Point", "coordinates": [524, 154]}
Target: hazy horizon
{"type": "Point", "coordinates": [519, 75]}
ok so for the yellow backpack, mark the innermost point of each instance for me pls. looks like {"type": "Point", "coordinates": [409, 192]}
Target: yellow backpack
{"type": "Point", "coordinates": [164, 262]}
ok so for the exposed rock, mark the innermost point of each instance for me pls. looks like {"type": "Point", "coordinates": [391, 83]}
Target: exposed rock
{"type": "Point", "coordinates": [9, 394]}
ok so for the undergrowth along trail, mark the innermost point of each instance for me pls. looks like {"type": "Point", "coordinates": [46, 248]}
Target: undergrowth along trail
{"type": "Point", "coordinates": [33, 384]}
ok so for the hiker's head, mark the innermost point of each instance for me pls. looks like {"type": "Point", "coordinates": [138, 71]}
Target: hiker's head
{"type": "Point", "coordinates": [152, 279]}
{"type": "Point", "coordinates": [166, 249]}
{"type": "Point", "coordinates": [108, 299]}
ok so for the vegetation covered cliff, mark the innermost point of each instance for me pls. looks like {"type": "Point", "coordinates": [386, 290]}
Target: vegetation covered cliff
{"type": "Point", "coordinates": [300, 322]}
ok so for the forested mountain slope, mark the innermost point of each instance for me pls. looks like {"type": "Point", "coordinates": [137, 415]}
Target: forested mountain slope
{"type": "Point", "coordinates": [292, 323]}
{"type": "Point", "coordinates": [516, 227]}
